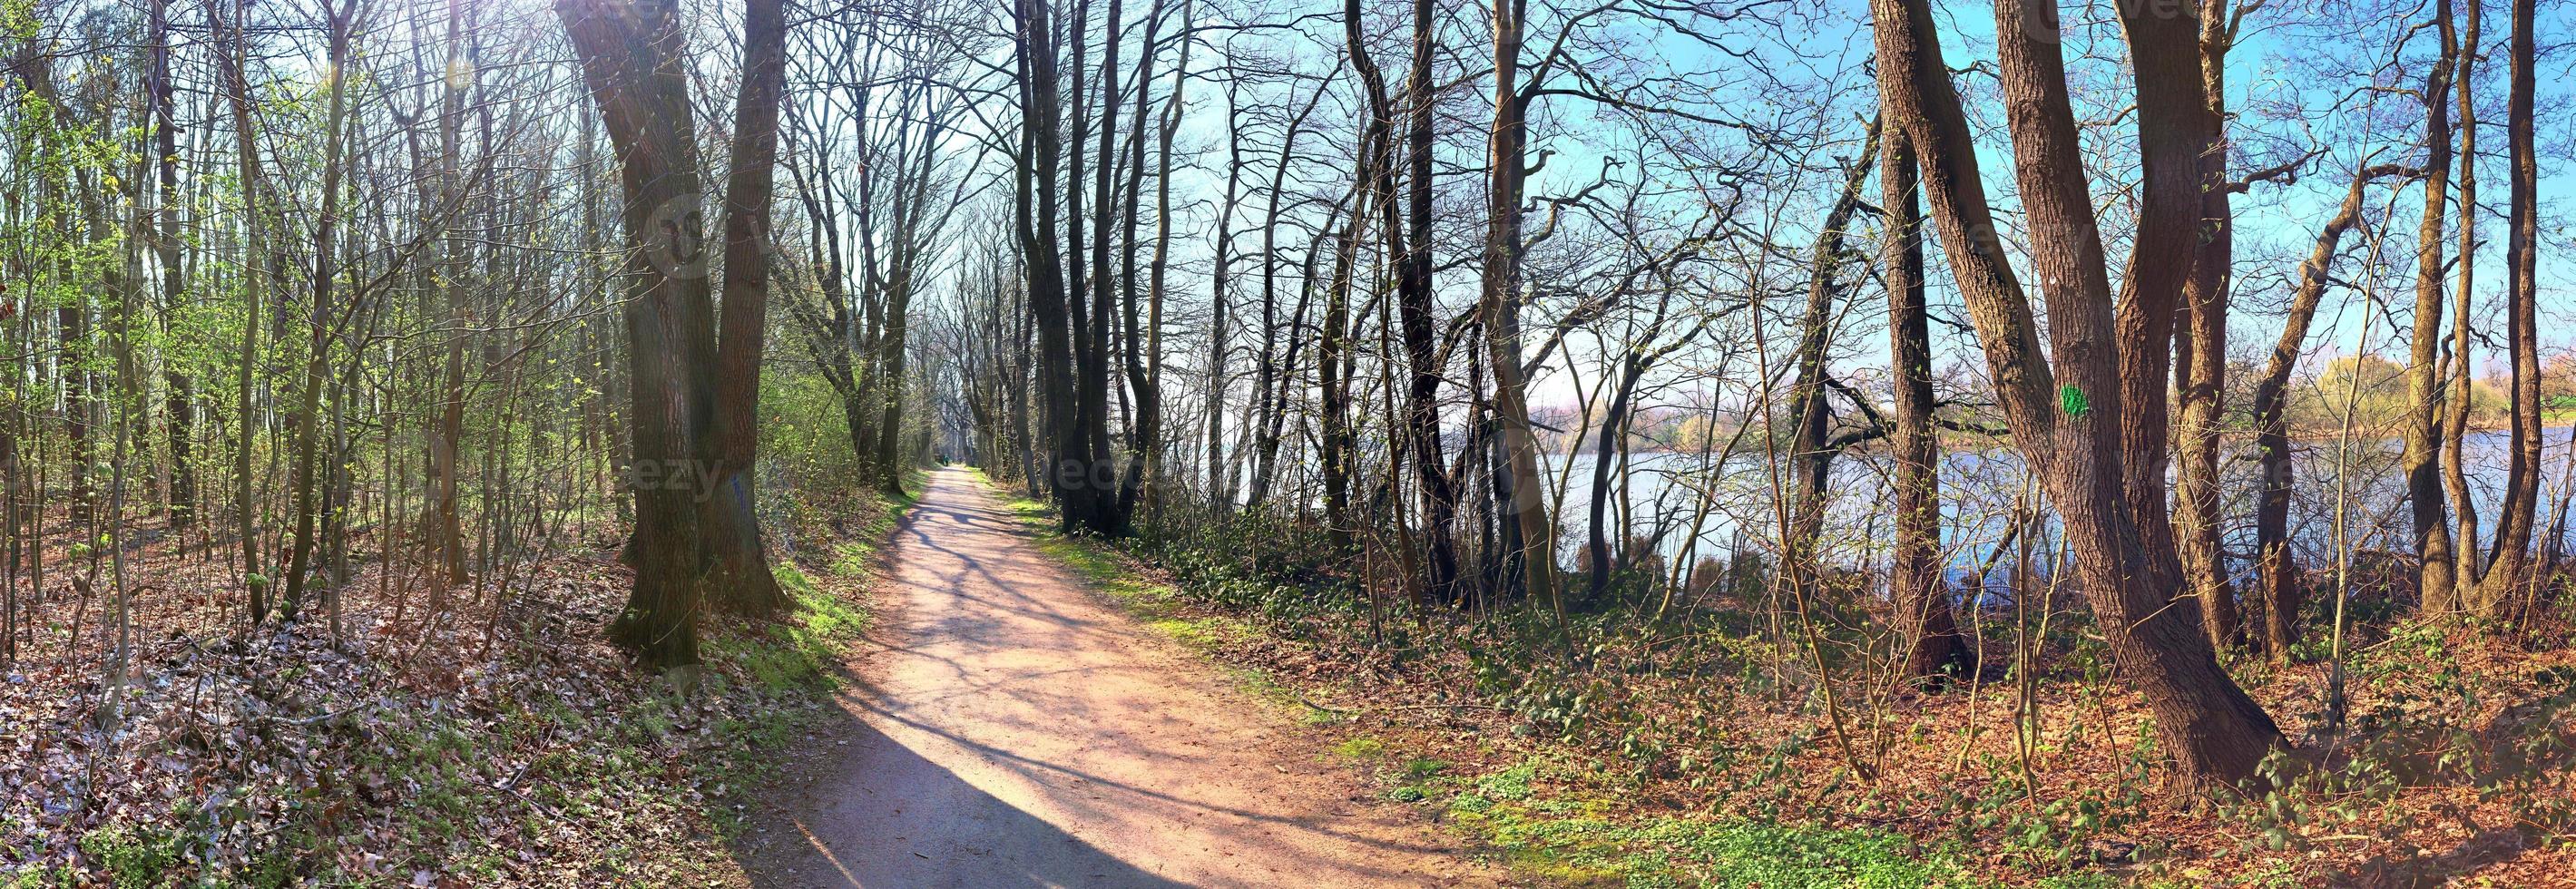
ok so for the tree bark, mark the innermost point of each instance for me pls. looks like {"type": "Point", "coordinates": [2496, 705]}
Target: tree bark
{"type": "Point", "coordinates": [1506, 140]}
{"type": "Point", "coordinates": [1415, 311]}
{"type": "Point", "coordinates": [1930, 633]}
{"type": "Point", "coordinates": [254, 284]}
{"type": "Point", "coordinates": [2281, 580]}
{"type": "Point", "coordinates": [318, 346]}
{"type": "Point", "coordinates": [2506, 570]}
{"type": "Point", "coordinates": [632, 61]}
{"type": "Point", "coordinates": [2462, 401]}
{"type": "Point", "coordinates": [2073, 434]}
{"type": "Point", "coordinates": [1809, 416]}
{"type": "Point", "coordinates": [2437, 573]}
{"type": "Point", "coordinates": [179, 401]}
{"type": "Point", "coordinates": [1057, 315]}
{"type": "Point", "coordinates": [2200, 369]}
{"type": "Point", "coordinates": [740, 577]}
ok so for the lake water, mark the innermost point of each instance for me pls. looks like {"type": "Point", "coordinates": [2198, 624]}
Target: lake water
{"type": "Point", "coordinates": [1696, 507]}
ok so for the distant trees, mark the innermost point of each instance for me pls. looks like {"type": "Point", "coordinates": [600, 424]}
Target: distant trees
{"type": "Point", "coordinates": [1439, 311]}
{"type": "Point", "coordinates": [1512, 311]}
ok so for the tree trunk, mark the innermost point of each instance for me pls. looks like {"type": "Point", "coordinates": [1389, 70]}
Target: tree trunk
{"type": "Point", "coordinates": [631, 60]}
{"type": "Point", "coordinates": [2280, 578]}
{"type": "Point", "coordinates": [2522, 481]}
{"type": "Point", "coordinates": [1809, 418]}
{"type": "Point", "coordinates": [308, 431]}
{"type": "Point", "coordinates": [2462, 401]}
{"type": "Point", "coordinates": [1041, 149]}
{"type": "Point", "coordinates": [1220, 475]}
{"type": "Point", "coordinates": [1614, 429]}
{"type": "Point", "coordinates": [2200, 368]}
{"type": "Point", "coordinates": [179, 402]}
{"type": "Point", "coordinates": [1333, 364]}
{"type": "Point", "coordinates": [1098, 489]}
{"type": "Point", "coordinates": [2434, 548]}
{"type": "Point", "coordinates": [740, 577]}
{"type": "Point", "coordinates": [1930, 633]}
{"type": "Point", "coordinates": [447, 435]}
{"type": "Point", "coordinates": [254, 283]}
{"type": "Point", "coordinates": [1505, 142]}
{"type": "Point", "coordinates": [2073, 434]}
{"type": "Point", "coordinates": [1415, 312]}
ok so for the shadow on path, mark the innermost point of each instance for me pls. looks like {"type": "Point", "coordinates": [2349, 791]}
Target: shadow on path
{"type": "Point", "coordinates": [1009, 729]}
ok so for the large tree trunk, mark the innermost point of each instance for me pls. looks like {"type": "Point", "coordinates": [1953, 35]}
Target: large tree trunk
{"type": "Point", "coordinates": [1415, 312]}
{"type": "Point", "coordinates": [740, 576]}
{"type": "Point", "coordinates": [2437, 571]}
{"type": "Point", "coordinates": [1922, 593]}
{"type": "Point", "coordinates": [632, 61]}
{"type": "Point", "coordinates": [1141, 337]}
{"type": "Point", "coordinates": [1066, 470]}
{"type": "Point", "coordinates": [1098, 496]}
{"type": "Point", "coordinates": [2073, 434]}
{"type": "Point", "coordinates": [1145, 482]}
{"type": "Point", "coordinates": [2200, 368]}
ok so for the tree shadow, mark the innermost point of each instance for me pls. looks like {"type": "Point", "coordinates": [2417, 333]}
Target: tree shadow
{"type": "Point", "coordinates": [977, 650]}
{"type": "Point", "coordinates": [2523, 745]}
{"type": "Point", "coordinates": [2490, 847]}
{"type": "Point", "coordinates": [883, 815]}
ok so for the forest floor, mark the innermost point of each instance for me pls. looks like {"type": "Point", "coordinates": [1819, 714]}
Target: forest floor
{"type": "Point", "coordinates": [1014, 728]}
{"type": "Point", "coordinates": [481, 736]}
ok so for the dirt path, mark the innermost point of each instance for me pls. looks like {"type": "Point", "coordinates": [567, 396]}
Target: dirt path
{"type": "Point", "coordinates": [1017, 731]}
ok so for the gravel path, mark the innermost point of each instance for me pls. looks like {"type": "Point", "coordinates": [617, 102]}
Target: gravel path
{"type": "Point", "coordinates": [1015, 730]}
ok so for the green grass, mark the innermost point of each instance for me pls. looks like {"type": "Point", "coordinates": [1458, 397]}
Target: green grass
{"type": "Point", "coordinates": [1570, 839]}
{"type": "Point", "coordinates": [1361, 747]}
{"type": "Point", "coordinates": [133, 858]}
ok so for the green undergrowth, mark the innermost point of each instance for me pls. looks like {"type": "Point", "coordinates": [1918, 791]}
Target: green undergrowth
{"type": "Point", "coordinates": [1538, 816]}
{"type": "Point", "coordinates": [803, 649]}
{"type": "Point", "coordinates": [800, 656]}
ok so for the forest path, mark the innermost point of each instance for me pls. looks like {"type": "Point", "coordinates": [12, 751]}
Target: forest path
{"type": "Point", "coordinates": [1016, 730]}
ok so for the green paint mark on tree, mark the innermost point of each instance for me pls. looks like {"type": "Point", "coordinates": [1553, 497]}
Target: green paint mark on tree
{"type": "Point", "coordinates": [2074, 401]}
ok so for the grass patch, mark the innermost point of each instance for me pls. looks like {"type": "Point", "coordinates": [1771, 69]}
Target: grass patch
{"type": "Point", "coordinates": [1591, 841]}
{"type": "Point", "coordinates": [133, 858]}
{"type": "Point", "coordinates": [1590, 849]}
{"type": "Point", "coordinates": [1361, 747]}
